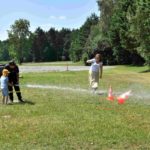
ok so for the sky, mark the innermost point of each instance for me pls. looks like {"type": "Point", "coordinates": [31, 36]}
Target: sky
{"type": "Point", "coordinates": [45, 13]}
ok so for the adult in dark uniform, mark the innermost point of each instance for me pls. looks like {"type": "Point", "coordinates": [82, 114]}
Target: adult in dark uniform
{"type": "Point", "coordinates": [13, 80]}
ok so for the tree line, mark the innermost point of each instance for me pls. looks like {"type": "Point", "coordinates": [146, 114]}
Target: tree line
{"type": "Point", "coordinates": [39, 46]}
{"type": "Point", "coordinates": [120, 33]}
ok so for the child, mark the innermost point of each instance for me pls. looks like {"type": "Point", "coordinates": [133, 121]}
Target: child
{"type": "Point", "coordinates": [4, 85]}
{"type": "Point", "coordinates": [95, 72]}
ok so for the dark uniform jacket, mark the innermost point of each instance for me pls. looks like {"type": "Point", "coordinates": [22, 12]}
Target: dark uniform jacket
{"type": "Point", "coordinates": [13, 75]}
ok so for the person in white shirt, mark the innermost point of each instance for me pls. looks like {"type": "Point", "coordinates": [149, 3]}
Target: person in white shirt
{"type": "Point", "coordinates": [96, 71]}
{"type": "Point", "coordinates": [4, 85]}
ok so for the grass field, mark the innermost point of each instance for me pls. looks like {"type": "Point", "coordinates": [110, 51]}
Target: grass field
{"type": "Point", "coordinates": [61, 119]}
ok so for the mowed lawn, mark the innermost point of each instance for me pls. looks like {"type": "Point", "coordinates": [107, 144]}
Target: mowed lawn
{"type": "Point", "coordinates": [64, 120]}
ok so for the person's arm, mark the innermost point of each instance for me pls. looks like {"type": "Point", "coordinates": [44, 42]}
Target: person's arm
{"type": "Point", "coordinates": [90, 61]}
{"type": "Point", "coordinates": [101, 71]}
{"type": "Point", "coordinates": [9, 84]}
{"type": "Point", "coordinates": [18, 77]}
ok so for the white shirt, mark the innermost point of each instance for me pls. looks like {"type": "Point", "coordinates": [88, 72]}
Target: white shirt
{"type": "Point", "coordinates": [95, 67]}
{"type": "Point", "coordinates": [4, 82]}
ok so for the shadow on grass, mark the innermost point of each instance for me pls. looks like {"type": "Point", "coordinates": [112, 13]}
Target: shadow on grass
{"type": "Point", "coordinates": [26, 102]}
{"type": "Point", "coordinates": [101, 93]}
{"type": "Point", "coordinates": [145, 71]}
{"type": "Point", "coordinates": [29, 102]}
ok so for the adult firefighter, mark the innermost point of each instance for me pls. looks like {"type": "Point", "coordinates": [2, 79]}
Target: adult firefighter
{"type": "Point", "coordinates": [13, 80]}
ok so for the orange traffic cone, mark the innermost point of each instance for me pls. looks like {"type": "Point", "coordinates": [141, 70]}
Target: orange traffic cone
{"type": "Point", "coordinates": [122, 98]}
{"type": "Point", "coordinates": [110, 94]}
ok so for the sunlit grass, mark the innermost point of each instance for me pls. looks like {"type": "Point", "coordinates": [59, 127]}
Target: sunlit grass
{"type": "Point", "coordinates": [61, 119]}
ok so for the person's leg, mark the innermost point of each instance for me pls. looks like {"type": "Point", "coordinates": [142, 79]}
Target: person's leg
{"type": "Point", "coordinates": [17, 89]}
{"type": "Point", "coordinates": [10, 88]}
{"type": "Point", "coordinates": [3, 100]}
{"type": "Point", "coordinates": [4, 93]}
{"type": "Point", "coordinates": [3, 97]}
{"type": "Point", "coordinates": [92, 79]}
{"type": "Point", "coordinates": [95, 81]}
{"type": "Point", "coordinates": [97, 78]}
{"type": "Point", "coordinates": [6, 100]}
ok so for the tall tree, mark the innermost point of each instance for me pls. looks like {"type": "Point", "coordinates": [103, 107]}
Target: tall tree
{"type": "Point", "coordinates": [106, 10]}
{"type": "Point", "coordinates": [51, 37]}
{"type": "Point", "coordinates": [140, 29]}
{"type": "Point", "coordinates": [115, 27]}
{"type": "Point", "coordinates": [39, 45]}
{"type": "Point", "coordinates": [18, 35]}
{"type": "Point", "coordinates": [79, 38]}
{"type": "Point", "coordinates": [4, 50]}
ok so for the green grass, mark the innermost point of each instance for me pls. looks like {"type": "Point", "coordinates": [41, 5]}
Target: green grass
{"type": "Point", "coordinates": [61, 119]}
{"type": "Point", "coordinates": [3, 62]}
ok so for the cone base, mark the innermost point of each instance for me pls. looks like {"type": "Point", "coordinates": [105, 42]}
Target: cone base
{"type": "Point", "coordinates": [121, 101]}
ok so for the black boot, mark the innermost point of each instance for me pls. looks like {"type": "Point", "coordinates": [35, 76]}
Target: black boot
{"type": "Point", "coordinates": [21, 101]}
{"type": "Point", "coordinates": [17, 89]}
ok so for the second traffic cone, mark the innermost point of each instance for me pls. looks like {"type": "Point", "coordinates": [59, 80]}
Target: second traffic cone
{"type": "Point", "coordinates": [110, 94]}
{"type": "Point", "coordinates": [122, 98]}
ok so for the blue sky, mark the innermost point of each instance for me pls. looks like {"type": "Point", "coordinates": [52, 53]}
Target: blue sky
{"type": "Point", "coordinates": [45, 13]}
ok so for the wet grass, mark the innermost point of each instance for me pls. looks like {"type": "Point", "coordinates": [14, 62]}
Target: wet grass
{"type": "Point", "coordinates": [61, 119]}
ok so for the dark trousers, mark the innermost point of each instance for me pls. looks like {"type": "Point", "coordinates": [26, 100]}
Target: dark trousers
{"type": "Point", "coordinates": [17, 89]}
